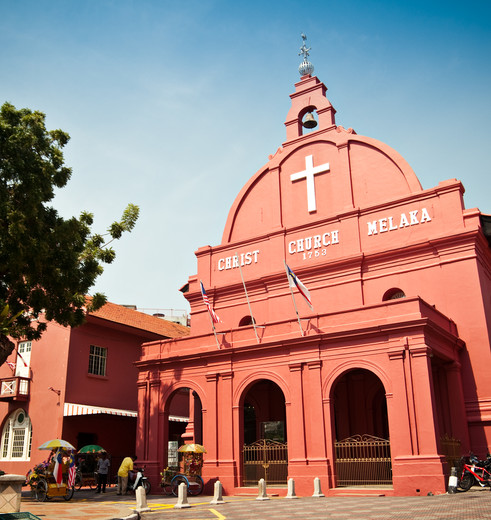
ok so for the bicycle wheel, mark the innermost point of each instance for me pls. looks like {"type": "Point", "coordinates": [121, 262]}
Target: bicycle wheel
{"type": "Point", "coordinates": [147, 487]}
{"type": "Point", "coordinates": [466, 482]}
{"type": "Point", "coordinates": [196, 487]}
{"type": "Point", "coordinates": [34, 486]}
{"type": "Point", "coordinates": [41, 490]}
{"type": "Point", "coordinates": [69, 493]}
{"type": "Point", "coordinates": [167, 487]}
{"type": "Point", "coordinates": [176, 481]}
{"type": "Point", "coordinates": [78, 481]}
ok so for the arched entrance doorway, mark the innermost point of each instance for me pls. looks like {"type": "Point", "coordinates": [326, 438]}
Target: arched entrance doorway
{"type": "Point", "coordinates": [185, 423]}
{"type": "Point", "coordinates": [265, 453]}
{"type": "Point", "coordinates": [362, 446]}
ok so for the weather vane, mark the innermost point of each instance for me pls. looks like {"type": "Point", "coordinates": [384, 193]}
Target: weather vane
{"type": "Point", "coordinates": [306, 68]}
{"type": "Point", "coordinates": [303, 48]}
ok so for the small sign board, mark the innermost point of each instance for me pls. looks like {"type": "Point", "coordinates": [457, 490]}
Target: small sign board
{"type": "Point", "coordinates": [273, 430]}
{"type": "Point", "coordinates": [172, 454]}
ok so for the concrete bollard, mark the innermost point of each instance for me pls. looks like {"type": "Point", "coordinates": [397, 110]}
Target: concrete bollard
{"type": "Point", "coordinates": [182, 496]}
{"type": "Point", "coordinates": [262, 490]}
{"type": "Point", "coordinates": [10, 493]}
{"type": "Point", "coordinates": [317, 488]}
{"type": "Point", "coordinates": [141, 500]}
{"type": "Point", "coordinates": [452, 481]}
{"type": "Point", "coordinates": [291, 489]}
{"type": "Point", "coordinates": [217, 496]}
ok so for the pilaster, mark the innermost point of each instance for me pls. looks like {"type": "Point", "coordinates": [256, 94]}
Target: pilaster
{"type": "Point", "coordinates": [316, 448]}
{"type": "Point", "coordinates": [400, 415]}
{"type": "Point", "coordinates": [457, 405]}
{"type": "Point", "coordinates": [296, 419]}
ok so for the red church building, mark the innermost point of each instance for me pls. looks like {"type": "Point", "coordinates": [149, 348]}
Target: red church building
{"type": "Point", "coordinates": [77, 384]}
{"type": "Point", "coordinates": [385, 380]}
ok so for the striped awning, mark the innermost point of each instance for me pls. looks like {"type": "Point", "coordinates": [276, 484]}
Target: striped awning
{"type": "Point", "coordinates": [85, 409]}
{"type": "Point", "coordinates": [178, 418]}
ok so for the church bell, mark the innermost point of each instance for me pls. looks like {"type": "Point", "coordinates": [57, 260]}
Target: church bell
{"type": "Point", "coordinates": [309, 121]}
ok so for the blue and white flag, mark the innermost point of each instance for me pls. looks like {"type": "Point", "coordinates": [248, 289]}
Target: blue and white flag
{"type": "Point", "coordinates": [294, 281]}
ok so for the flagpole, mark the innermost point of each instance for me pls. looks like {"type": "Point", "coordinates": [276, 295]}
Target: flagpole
{"type": "Point", "coordinates": [212, 322]}
{"type": "Point", "coordinates": [293, 298]}
{"type": "Point", "coordinates": [214, 331]}
{"type": "Point", "coordinates": [247, 298]}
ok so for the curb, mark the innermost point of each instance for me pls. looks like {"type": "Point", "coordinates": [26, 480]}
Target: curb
{"type": "Point", "coordinates": [134, 516]}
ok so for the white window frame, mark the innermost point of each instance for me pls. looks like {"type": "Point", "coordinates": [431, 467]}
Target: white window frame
{"type": "Point", "coordinates": [22, 368]}
{"type": "Point", "coordinates": [19, 426]}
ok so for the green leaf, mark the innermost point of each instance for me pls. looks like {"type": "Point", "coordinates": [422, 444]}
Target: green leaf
{"type": "Point", "coordinates": [47, 264]}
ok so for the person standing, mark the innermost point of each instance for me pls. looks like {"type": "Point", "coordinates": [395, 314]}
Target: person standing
{"type": "Point", "coordinates": [124, 469]}
{"type": "Point", "coordinates": [102, 471]}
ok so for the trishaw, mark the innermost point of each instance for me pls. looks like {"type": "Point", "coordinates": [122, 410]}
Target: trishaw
{"type": "Point", "coordinates": [86, 466]}
{"type": "Point", "coordinates": [41, 478]}
{"type": "Point", "coordinates": [192, 460]}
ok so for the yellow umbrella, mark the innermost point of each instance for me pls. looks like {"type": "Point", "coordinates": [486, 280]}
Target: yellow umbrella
{"type": "Point", "coordinates": [196, 448]}
{"type": "Point", "coordinates": [55, 444]}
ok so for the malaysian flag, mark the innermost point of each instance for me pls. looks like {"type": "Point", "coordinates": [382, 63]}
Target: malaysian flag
{"type": "Point", "coordinates": [294, 281]}
{"type": "Point", "coordinates": [58, 470]}
{"type": "Point", "coordinates": [72, 470]}
{"type": "Point", "coordinates": [11, 365]}
{"type": "Point", "coordinates": [213, 314]}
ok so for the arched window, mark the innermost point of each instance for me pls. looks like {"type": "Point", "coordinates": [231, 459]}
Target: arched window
{"type": "Point", "coordinates": [16, 437]}
{"type": "Point", "coordinates": [246, 320]}
{"type": "Point", "coordinates": [393, 294]}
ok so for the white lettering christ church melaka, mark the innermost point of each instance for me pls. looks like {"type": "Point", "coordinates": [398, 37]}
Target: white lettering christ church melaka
{"type": "Point", "coordinates": [385, 224]}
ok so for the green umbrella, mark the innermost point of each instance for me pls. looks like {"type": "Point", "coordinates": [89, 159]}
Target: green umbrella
{"type": "Point", "coordinates": [91, 448]}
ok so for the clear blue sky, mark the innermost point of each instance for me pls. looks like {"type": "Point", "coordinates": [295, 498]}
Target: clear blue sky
{"type": "Point", "coordinates": [175, 105]}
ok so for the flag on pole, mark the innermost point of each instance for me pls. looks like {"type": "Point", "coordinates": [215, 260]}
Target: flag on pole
{"type": "Point", "coordinates": [213, 314]}
{"type": "Point", "coordinates": [294, 281]}
{"type": "Point", "coordinates": [58, 469]}
{"type": "Point", "coordinates": [72, 470]}
{"type": "Point", "coordinates": [11, 365]}
{"type": "Point", "coordinates": [21, 358]}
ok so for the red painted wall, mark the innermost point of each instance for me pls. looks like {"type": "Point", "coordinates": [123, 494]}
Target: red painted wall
{"type": "Point", "coordinates": [44, 407]}
{"type": "Point", "coordinates": [116, 389]}
{"type": "Point", "coordinates": [60, 360]}
{"type": "Point", "coordinates": [373, 229]}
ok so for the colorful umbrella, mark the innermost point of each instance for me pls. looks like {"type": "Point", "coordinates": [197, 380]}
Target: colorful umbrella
{"type": "Point", "coordinates": [91, 448]}
{"type": "Point", "coordinates": [196, 448]}
{"type": "Point", "coordinates": [55, 444]}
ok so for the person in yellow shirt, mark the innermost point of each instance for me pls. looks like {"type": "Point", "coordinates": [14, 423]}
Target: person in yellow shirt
{"type": "Point", "coordinates": [124, 469]}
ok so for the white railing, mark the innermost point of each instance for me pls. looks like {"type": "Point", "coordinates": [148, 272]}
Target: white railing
{"type": "Point", "coordinates": [14, 387]}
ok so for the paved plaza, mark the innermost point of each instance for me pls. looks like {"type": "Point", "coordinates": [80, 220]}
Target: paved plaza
{"type": "Point", "coordinates": [473, 505]}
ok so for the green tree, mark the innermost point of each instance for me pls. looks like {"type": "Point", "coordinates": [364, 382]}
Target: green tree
{"type": "Point", "coordinates": [47, 263]}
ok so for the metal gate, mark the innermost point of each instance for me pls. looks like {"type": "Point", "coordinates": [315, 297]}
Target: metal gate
{"type": "Point", "coordinates": [265, 459]}
{"type": "Point", "coordinates": [451, 448]}
{"type": "Point", "coordinates": [363, 460]}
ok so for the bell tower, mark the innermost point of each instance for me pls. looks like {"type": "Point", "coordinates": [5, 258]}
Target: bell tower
{"type": "Point", "coordinates": [308, 99]}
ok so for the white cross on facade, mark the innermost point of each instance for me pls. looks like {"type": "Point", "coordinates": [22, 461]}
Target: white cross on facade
{"type": "Point", "coordinates": [308, 174]}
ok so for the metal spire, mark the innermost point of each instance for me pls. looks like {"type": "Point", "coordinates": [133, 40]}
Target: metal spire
{"type": "Point", "coordinates": [306, 68]}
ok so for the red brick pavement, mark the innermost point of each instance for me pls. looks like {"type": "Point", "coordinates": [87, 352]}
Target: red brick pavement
{"type": "Point", "coordinates": [473, 505]}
